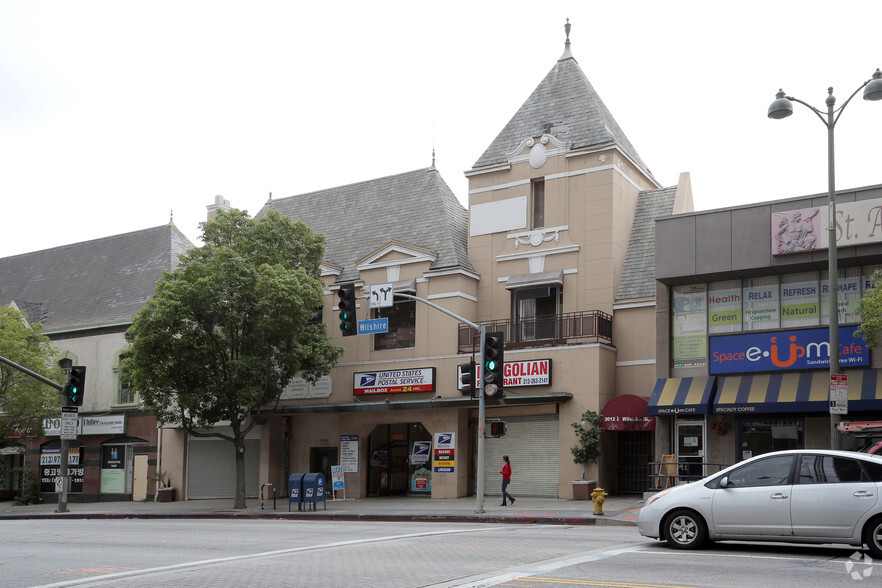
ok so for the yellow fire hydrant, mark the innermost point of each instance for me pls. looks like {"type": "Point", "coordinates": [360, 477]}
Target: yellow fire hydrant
{"type": "Point", "coordinates": [598, 498]}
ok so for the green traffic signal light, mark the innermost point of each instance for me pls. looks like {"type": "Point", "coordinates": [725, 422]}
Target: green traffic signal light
{"type": "Point", "coordinates": [73, 389]}
{"type": "Point", "coordinates": [346, 304]}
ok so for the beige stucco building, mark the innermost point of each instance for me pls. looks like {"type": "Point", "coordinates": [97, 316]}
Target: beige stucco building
{"type": "Point", "coordinates": [555, 251]}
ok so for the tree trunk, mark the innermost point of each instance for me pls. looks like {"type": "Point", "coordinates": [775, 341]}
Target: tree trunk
{"type": "Point", "coordinates": [240, 472]}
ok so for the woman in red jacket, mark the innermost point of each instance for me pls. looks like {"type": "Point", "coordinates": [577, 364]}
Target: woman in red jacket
{"type": "Point", "coordinates": [506, 479]}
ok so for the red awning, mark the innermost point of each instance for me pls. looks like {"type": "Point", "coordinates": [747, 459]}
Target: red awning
{"type": "Point", "coordinates": [627, 413]}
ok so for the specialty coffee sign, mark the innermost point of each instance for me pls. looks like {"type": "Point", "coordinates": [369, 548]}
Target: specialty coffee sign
{"type": "Point", "coordinates": [394, 381]}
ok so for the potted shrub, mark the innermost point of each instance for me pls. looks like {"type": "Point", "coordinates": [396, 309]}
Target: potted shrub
{"type": "Point", "coordinates": [586, 450]}
{"type": "Point", "coordinates": [165, 492]}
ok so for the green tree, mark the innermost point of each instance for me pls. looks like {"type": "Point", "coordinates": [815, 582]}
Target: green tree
{"type": "Point", "coordinates": [870, 309]}
{"type": "Point", "coordinates": [25, 401]}
{"type": "Point", "coordinates": [226, 331]}
{"type": "Point", "coordinates": [587, 448]}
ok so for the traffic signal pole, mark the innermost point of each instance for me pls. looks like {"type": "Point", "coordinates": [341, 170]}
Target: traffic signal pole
{"type": "Point", "coordinates": [482, 329]}
{"type": "Point", "coordinates": [65, 447]}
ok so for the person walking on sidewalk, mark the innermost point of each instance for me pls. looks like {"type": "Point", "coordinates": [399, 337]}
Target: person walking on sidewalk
{"type": "Point", "coordinates": [506, 480]}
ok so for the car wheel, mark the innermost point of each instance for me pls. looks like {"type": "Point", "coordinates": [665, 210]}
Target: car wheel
{"type": "Point", "coordinates": [873, 537]}
{"type": "Point", "coordinates": [684, 529]}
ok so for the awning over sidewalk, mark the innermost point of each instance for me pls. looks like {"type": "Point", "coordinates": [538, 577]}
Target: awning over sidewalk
{"type": "Point", "coordinates": [681, 396]}
{"type": "Point", "coordinates": [795, 392]}
{"type": "Point", "coordinates": [627, 413]}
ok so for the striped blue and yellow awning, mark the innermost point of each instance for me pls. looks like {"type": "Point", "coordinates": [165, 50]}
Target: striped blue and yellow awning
{"type": "Point", "coordinates": [795, 392]}
{"type": "Point", "coordinates": [681, 396]}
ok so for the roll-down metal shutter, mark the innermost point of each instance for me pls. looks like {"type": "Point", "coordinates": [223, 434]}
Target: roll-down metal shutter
{"type": "Point", "coordinates": [211, 467]}
{"type": "Point", "coordinates": [531, 444]}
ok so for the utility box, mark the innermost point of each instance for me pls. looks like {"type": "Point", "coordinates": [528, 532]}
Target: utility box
{"type": "Point", "coordinates": [314, 490]}
{"type": "Point", "coordinates": [295, 491]}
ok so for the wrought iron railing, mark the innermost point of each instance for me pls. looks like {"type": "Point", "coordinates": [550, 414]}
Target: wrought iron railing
{"type": "Point", "coordinates": [589, 326]}
{"type": "Point", "coordinates": [665, 474]}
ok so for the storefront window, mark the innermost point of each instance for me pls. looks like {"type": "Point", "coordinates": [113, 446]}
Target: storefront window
{"type": "Point", "coordinates": [799, 300]}
{"type": "Point", "coordinates": [724, 307]}
{"type": "Point", "coordinates": [849, 284]}
{"type": "Point", "coordinates": [761, 304]}
{"type": "Point", "coordinates": [760, 436]}
{"type": "Point", "coordinates": [689, 325]}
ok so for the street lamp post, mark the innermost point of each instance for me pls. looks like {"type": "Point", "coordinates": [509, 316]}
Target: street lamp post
{"type": "Point", "coordinates": [782, 107]}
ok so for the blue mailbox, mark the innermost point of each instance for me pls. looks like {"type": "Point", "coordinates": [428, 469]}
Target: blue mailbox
{"type": "Point", "coordinates": [295, 491]}
{"type": "Point", "coordinates": [314, 490]}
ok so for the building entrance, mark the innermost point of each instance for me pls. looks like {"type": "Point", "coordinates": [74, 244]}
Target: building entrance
{"type": "Point", "coordinates": [394, 464]}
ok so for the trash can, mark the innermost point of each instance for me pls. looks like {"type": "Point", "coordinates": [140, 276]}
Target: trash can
{"type": "Point", "coordinates": [314, 490]}
{"type": "Point", "coordinates": [295, 491]}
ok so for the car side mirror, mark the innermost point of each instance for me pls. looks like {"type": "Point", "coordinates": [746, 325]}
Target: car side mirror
{"type": "Point", "coordinates": [724, 482]}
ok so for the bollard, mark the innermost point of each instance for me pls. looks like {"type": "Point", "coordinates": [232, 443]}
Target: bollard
{"type": "Point", "coordinates": [261, 495]}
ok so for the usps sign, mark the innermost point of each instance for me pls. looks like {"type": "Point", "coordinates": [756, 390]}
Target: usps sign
{"type": "Point", "coordinates": [394, 381]}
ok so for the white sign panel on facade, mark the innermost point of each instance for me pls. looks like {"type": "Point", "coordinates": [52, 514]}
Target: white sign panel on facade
{"type": "Point", "coordinates": [498, 217]}
{"type": "Point", "coordinates": [298, 388]}
{"type": "Point", "coordinates": [111, 424]}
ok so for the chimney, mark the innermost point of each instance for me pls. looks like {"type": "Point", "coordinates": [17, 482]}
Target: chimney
{"type": "Point", "coordinates": [219, 204]}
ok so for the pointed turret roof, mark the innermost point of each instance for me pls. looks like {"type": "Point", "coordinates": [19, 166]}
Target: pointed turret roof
{"type": "Point", "coordinates": [566, 106]}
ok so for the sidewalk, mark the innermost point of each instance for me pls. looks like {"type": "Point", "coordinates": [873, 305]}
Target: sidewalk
{"type": "Point", "coordinates": [618, 510]}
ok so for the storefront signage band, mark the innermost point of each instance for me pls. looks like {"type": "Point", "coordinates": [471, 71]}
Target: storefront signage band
{"type": "Point", "coordinates": [785, 350]}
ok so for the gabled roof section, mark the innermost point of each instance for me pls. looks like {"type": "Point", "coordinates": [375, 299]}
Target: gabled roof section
{"type": "Point", "coordinates": [566, 106]}
{"type": "Point", "coordinates": [638, 275]}
{"type": "Point", "coordinates": [100, 282]}
{"type": "Point", "coordinates": [416, 208]}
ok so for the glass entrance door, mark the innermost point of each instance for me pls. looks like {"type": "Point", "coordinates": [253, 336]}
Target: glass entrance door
{"type": "Point", "coordinates": [690, 450]}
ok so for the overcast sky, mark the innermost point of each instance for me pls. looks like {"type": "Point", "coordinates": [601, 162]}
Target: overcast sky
{"type": "Point", "coordinates": [113, 114]}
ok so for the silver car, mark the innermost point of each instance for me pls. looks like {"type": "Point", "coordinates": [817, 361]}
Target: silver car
{"type": "Point", "coordinates": [799, 496]}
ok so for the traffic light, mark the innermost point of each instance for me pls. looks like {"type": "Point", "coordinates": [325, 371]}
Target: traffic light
{"type": "Point", "coordinates": [346, 305]}
{"type": "Point", "coordinates": [493, 360]}
{"type": "Point", "coordinates": [75, 386]}
{"type": "Point", "coordinates": [497, 428]}
{"type": "Point", "coordinates": [467, 378]}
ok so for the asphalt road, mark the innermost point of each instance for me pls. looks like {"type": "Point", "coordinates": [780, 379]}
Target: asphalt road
{"type": "Point", "coordinates": [221, 553]}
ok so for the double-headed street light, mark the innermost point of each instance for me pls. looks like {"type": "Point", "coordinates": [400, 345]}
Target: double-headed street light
{"type": "Point", "coordinates": [782, 107]}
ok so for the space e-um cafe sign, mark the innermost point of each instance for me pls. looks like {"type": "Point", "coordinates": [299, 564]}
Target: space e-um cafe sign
{"type": "Point", "coordinates": [785, 350]}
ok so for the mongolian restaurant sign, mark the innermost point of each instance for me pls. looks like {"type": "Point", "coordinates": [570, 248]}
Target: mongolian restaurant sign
{"type": "Point", "coordinates": [394, 381]}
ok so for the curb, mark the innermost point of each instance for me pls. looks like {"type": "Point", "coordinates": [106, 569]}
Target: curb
{"type": "Point", "coordinates": [377, 517]}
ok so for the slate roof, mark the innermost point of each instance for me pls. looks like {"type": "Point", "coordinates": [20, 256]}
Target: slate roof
{"type": "Point", "coordinates": [99, 282]}
{"type": "Point", "coordinates": [412, 208]}
{"type": "Point", "coordinates": [638, 275]}
{"type": "Point", "coordinates": [566, 106]}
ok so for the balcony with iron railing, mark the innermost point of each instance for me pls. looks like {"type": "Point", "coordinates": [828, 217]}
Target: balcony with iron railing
{"type": "Point", "coordinates": [588, 326]}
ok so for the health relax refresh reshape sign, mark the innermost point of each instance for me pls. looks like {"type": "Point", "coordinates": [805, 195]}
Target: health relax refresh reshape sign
{"type": "Point", "coordinates": [785, 351]}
